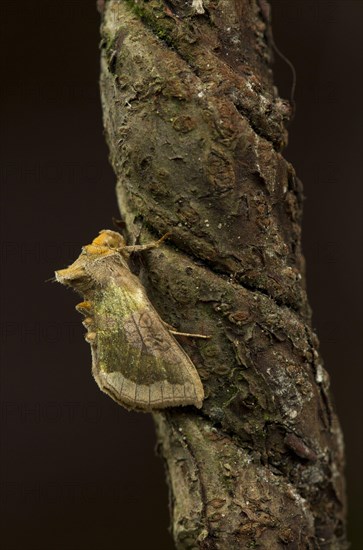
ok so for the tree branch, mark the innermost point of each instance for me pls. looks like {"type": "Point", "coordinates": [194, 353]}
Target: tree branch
{"type": "Point", "coordinates": [195, 129]}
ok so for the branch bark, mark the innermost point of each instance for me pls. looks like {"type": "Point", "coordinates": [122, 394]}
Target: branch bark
{"type": "Point", "coordinates": [195, 129]}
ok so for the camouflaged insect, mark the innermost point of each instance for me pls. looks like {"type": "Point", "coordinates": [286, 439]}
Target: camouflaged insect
{"type": "Point", "coordinates": [135, 358]}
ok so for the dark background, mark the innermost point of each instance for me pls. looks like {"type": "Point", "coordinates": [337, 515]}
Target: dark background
{"type": "Point", "coordinates": [78, 472]}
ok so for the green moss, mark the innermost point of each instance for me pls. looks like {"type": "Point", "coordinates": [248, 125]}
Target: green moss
{"type": "Point", "coordinates": [154, 19]}
{"type": "Point", "coordinates": [108, 42]}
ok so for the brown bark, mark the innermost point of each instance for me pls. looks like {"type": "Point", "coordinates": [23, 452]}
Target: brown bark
{"type": "Point", "coordinates": [195, 129]}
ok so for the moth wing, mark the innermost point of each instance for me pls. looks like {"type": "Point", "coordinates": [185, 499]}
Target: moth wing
{"type": "Point", "coordinates": [137, 362]}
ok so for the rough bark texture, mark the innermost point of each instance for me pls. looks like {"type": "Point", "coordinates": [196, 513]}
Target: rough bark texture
{"type": "Point", "coordinates": [195, 129]}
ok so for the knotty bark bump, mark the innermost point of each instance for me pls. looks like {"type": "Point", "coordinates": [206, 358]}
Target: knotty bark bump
{"type": "Point", "coordinates": [195, 129]}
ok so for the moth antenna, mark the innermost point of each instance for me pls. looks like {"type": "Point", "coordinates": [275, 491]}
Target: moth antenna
{"type": "Point", "coordinates": [189, 334]}
{"type": "Point", "coordinates": [143, 247]}
{"type": "Point", "coordinates": [164, 237]}
{"type": "Point", "coordinates": [51, 280]}
{"type": "Point", "coordinates": [176, 332]}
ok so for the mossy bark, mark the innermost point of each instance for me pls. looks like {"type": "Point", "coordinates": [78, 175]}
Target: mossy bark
{"type": "Point", "coordinates": [195, 129]}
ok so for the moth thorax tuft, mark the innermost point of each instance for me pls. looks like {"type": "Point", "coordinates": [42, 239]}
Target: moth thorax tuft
{"type": "Point", "coordinates": [110, 239]}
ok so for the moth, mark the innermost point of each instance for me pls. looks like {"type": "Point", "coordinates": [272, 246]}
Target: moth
{"type": "Point", "coordinates": [135, 358]}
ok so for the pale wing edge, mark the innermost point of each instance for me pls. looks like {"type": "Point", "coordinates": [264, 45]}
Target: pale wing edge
{"type": "Point", "coordinates": [158, 395]}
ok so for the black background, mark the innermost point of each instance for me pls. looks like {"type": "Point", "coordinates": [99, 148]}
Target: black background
{"type": "Point", "coordinates": [78, 472]}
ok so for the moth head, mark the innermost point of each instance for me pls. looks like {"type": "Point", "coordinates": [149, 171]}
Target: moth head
{"type": "Point", "coordinates": [85, 272]}
{"type": "Point", "coordinates": [74, 276]}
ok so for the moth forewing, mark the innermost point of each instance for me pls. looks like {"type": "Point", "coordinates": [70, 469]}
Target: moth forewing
{"type": "Point", "coordinates": [135, 359]}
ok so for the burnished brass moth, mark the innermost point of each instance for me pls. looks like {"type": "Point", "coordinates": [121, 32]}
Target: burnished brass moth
{"type": "Point", "coordinates": [135, 358]}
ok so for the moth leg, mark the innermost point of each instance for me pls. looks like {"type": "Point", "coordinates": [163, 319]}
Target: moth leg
{"type": "Point", "coordinates": [173, 330]}
{"type": "Point", "coordinates": [148, 246]}
{"type": "Point", "coordinates": [84, 307]}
